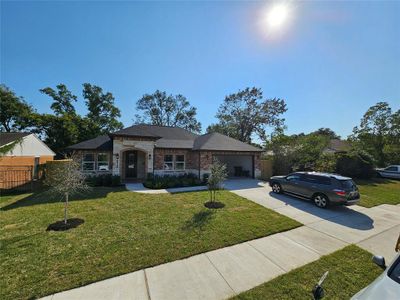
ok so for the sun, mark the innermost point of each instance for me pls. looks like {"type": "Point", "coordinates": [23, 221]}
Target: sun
{"type": "Point", "coordinates": [277, 16]}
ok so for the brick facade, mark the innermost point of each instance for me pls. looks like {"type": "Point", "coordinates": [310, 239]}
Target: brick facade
{"type": "Point", "coordinates": [205, 158]}
{"type": "Point", "coordinates": [191, 158]}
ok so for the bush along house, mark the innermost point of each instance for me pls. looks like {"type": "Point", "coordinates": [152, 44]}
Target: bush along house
{"type": "Point", "coordinates": [139, 150]}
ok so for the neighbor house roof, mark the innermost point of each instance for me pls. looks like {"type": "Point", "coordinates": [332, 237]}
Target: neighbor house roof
{"type": "Point", "coordinates": [336, 145]}
{"type": "Point", "coordinates": [219, 142]}
{"type": "Point", "coordinates": [102, 142]}
{"type": "Point", "coordinates": [9, 137]}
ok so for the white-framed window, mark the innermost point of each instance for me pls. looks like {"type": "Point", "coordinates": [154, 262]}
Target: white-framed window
{"type": "Point", "coordinates": [102, 162]}
{"type": "Point", "coordinates": [180, 162]}
{"type": "Point", "coordinates": [168, 162]}
{"type": "Point", "coordinates": [88, 163]}
{"type": "Point", "coordinates": [174, 162]}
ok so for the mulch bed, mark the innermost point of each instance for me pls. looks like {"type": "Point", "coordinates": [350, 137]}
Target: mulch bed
{"type": "Point", "coordinates": [61, 226]}
{"type": "Point", "coordinates": [214, 204]}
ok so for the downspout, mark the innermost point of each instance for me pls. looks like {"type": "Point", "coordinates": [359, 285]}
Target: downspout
{"type": "Point", "coordinates": [199, 165]}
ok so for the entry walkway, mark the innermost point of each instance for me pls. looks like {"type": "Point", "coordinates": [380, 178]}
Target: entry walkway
{"type": "Point", "coordinates": [139, 188]}
{"type": "Point", "coordinates": [225, 272]}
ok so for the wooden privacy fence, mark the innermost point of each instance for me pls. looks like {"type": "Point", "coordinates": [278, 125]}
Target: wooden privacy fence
{"type": "Point", "coordinates": [266, 169]}
{"type": "Point", "coordinates": [19, 177]}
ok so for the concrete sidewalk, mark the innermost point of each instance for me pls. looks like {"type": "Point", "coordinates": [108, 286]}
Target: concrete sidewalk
{"type": "Point", "coordinates": [139, 188]}
{"type": "Point", "coordinates": [225, 272]}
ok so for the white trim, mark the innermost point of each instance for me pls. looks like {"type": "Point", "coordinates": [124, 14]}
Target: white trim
{"type": "Point", "coordinates": [89, 161]}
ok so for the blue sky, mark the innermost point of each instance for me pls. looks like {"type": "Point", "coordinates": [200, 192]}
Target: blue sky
{"type": "Point", "coordinates": [330, 63]}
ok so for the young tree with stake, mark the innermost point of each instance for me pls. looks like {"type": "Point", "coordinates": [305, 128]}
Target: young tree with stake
{"type": "Point", "coordinates": [217, 177]}
{"type": "Point", "coordinates": [66, 179]}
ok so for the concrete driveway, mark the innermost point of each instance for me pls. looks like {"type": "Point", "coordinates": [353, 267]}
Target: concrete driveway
{"type": "Point", "coordinates": [375, 229]}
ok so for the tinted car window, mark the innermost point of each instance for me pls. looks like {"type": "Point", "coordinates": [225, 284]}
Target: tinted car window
{"type": "Point", "coordinates": [347, 184]}
{"type": "Point", "coordinates": [317, 179]}
{"type": "Point", "coordinates": [293, 177]}
{"type": "Point", "coordinates": [391, 169]}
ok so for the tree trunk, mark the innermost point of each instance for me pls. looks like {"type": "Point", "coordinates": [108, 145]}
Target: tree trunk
{"type": "Point", "coordinates": [66, 208]}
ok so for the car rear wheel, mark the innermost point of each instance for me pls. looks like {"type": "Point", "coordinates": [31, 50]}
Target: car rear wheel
{"type": "Point", "coordinates": [321, 200]}
{"type": "Point", "coordinates": [276, 188]}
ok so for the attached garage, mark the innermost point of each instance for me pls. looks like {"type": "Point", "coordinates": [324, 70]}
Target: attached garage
{"type": "Point", "coordinates": [238, 165]}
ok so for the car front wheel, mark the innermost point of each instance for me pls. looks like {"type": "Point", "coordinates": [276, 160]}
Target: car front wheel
{"type": "Point", "coordinates": [321, 201]}
{"type": "Point", "coordinates": [276, 188]}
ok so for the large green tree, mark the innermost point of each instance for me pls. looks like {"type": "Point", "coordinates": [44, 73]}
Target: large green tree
{"type": "Point", "coordinates": [378, 134]}
{"type": "Point", "coordinates": [327, 132]}
{"type": "Point", "coordinates": [15, 112]}
{"type": "Point", "coordinates": [65, 127]}
{"type": "Point", "coordinates": [247, 114]}
{"type": "Point", "coordinates": [63, 99]}
{"type": "Point", "coordinates": [167, 110]}
{"type": "Point", "coordinates": [102, 112]}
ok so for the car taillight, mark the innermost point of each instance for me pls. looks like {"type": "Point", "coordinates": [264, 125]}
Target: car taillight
{"type": "Point", "coordinates": [340, 192]}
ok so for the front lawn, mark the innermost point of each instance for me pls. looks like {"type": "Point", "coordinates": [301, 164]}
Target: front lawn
{"type": "Point", "coordinates": [122, 232]}
{"type": "Point", "coordinates": [350, 270]}
{"type": "Point", "coordinates": [379, 191]}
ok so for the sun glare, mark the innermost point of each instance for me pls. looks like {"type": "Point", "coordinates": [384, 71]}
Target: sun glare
{"type": "Point", "coordinates": [277, 16]}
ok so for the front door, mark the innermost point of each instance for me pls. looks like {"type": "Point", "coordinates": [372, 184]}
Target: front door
{"type": "Point", "coordinates": [131, 164]}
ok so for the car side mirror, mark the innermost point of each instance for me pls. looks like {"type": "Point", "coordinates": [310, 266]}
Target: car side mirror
{"type": "Point", "coordinates": [380, 261]}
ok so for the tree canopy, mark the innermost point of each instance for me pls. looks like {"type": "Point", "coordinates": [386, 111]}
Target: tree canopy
{"type": "Point", "coordinates": [167, 110]}
{"type": "Point", "coordinates": [379, 134]}
{"type": "Point", "coordinates": [246, 114]}
{"type": "Point", "coordinates": [65, 126]}
{"type": "Point", "coordinates": [63, 99]}
{"type": "Point", "coordinates": [15, 111]}
{"type": "Point", "coordinates": [102, 112]}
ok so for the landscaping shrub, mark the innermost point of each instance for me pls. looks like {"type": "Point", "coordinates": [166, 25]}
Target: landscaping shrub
{"type": "Point", "coordinates": [115, 180]}
{"type": "Point", "coordinates": [103, 180]}
{"type": "Point", "coordinates": [171, 181]}
{"type": "Point", "coordinates": [205, 177]}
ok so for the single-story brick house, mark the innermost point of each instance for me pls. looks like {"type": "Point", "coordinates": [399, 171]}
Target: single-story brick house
{"type": "Point", "coordinates": [136, 151]}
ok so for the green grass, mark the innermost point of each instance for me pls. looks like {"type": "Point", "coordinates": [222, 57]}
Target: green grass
{"type": "Point", "coordinates": [350, 270]}
{"type": "Point", "coordinates": [123, 232]}
{"type": "Point", "coordinates": [379, 191]}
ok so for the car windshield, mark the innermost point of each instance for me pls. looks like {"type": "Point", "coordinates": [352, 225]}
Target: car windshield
{"type": "Point", "coordinates": [347, 184]}
{"type": "Point", "coordinates": [394, 271]}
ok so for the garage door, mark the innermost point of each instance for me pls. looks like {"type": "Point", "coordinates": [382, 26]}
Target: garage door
{"type": "Point", "coordinates": [237, 165]}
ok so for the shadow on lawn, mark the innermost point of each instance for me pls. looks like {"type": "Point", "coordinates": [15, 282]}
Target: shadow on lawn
{"type": "Point", "coordinates": [45, 197]}
{"type": "Point", "coordinates": [199, 220]}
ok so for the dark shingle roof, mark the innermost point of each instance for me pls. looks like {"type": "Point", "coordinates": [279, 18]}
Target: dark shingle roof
{"type": "Point", "coordinates": [102, 142]}
{"type": "Point", "coordinates": [165, 136]}
{"type": "Point", "coordinates": [9, 137]}
{"type": "Point", "coordinates": [220, 142]}
{"type": "Point", "coordinates": [169, 137]}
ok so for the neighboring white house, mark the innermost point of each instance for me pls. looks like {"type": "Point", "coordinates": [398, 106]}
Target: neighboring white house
{"type": "Point", "coordinates": [28, 150]}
